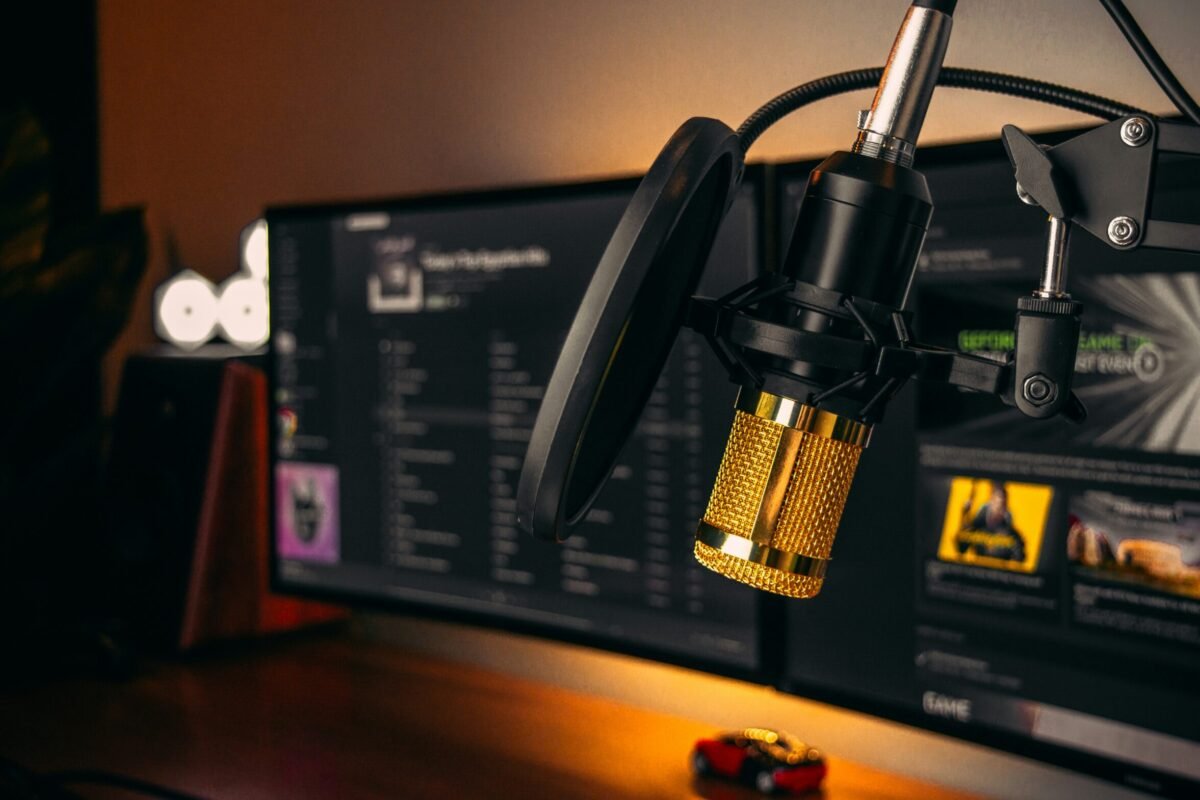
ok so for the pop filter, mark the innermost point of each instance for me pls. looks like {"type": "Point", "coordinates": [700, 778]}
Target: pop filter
{"type": "Point", "coordinates": [626, 325]}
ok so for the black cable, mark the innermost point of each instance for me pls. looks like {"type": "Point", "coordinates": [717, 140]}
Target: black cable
{"type": "Point", "coordinates": [952, 77]}
{"type": "Point", "coordinates": [944, 6]}
{"type": "Point", "coordinates": [1153, 61]}
{"type": "Point", "coordinates": [115, 780]}
{"type": "Point", "coordinates": [19, 783]}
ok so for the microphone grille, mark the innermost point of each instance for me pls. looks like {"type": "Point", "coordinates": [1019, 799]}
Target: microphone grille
{"type": "Point", "coordinates": [779, 494]}
{"type": "Point", "coordinates": [744, 472]}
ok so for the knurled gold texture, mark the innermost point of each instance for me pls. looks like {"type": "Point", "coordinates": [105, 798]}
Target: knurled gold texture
{"type": "Point", "coordinates": [783, 488]}
{"type": "Point", "coordinates": [743, 474]}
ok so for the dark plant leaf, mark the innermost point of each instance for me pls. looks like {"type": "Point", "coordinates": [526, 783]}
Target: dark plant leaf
{"type": "Point", "coordinates": [67, 313]}
{"type": "Point", "coordinates": [25, 175]}
{"type": "Point", "coordinates": [65, 294]}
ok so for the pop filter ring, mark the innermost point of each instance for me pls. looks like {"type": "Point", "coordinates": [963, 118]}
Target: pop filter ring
{"type": "Point", "coordinates": [626, 325]}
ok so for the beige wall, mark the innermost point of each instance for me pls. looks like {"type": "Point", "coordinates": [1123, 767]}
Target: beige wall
{"type": "Point", "coordinates": [210, 110]}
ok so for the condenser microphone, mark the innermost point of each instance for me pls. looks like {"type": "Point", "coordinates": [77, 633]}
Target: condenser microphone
{"type": "Point", "coordinates": [798, 429]}
{"type": "Point", "coordinates": [796, 341]}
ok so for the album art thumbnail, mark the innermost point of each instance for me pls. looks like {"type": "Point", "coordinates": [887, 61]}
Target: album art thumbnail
{"type": "Point", "coordinates": [1156, 545]}
{"type": "Point", "coordinates": [396, 282]}
{"type": "Point", "coordinates": [306, 512]}
{"type": "Point", "coordinates": [995, 524]}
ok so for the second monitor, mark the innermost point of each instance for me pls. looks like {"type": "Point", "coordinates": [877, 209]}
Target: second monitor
{"type": "Point", "coordinates": [411, 342]}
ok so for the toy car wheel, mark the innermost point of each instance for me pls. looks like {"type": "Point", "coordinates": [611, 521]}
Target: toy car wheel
{"type": "Point", "coordinates": [700, 764]}
{"type": "Point", "coordinates": [764, 781]}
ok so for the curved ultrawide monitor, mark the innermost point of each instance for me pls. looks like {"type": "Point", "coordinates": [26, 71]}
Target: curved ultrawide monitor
{"type": "Point", "coordinates": [1034, 586]}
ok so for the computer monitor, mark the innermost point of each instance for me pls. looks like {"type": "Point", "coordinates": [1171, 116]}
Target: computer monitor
{"type": "Point", "coordinates": [411, 341]}
{"type": "Point", "coordinates": [1030, 585]}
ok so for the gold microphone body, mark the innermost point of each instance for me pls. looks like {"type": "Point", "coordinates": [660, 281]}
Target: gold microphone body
{"type": "Point", "coordinates": [779, 494]}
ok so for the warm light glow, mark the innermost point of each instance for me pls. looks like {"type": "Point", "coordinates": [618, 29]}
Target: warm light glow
{"type": "Point", "coordinates": [254, 249]}
{"type": "Point", "coordinates": [185, 310]}
{"type": "Point", "coordinates": [243, 313]}
{"type": "Point", "coordinates": [761, 735]}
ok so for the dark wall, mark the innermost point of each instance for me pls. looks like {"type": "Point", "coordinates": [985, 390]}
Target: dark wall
{"type": "Point", "coordinates": [48, 64]}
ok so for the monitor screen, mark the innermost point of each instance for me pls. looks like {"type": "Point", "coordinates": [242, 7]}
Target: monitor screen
{"type": "Point", "coordinates": [411, 342]}
{"type": "Point", "coordinates": [1031, 585]}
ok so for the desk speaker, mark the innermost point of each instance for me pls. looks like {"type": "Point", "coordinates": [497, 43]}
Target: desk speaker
{"type": "Point", "coordinates": [187, 502]}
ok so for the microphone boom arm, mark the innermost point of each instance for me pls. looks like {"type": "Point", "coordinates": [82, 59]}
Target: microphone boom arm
{"type": "Point", "coordinates": [1101, 181]}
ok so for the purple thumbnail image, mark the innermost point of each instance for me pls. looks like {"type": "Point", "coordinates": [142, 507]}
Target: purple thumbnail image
{"type": "Point", "coordinates": [306, 512]}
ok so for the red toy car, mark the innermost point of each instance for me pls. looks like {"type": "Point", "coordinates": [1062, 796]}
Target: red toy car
{"type": "Point", "coordinates": [768, 760]}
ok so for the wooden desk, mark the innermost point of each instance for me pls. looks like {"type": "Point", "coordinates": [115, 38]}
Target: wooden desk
{"type": "Point", "coordinates": [335, 718]}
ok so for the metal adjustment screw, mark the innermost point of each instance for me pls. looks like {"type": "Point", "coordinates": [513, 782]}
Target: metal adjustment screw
{"type": "Point", "coordinates": [1039, 389]}
{"type": "Point", "coordinates": [1123, 231]}
{"type": "Point", "coordinates": [1135, 131]}
{"type": "Point", "coordinates": [1024, 196]}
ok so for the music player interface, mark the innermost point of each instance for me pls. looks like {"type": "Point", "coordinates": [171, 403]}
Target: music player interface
{"type": "Point", "coordinates": [412, 350]}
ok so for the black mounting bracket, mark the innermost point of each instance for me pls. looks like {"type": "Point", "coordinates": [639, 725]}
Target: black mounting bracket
{"type": "Point", "coordinates": [737, 334]}
{"type": "Point", "coordinates": [1102, 180]}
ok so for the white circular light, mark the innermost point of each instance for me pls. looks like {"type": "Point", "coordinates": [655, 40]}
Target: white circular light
{"type": "Point", "coordinates": [254, 249]}
{"type": "Point", "coordinates": [243, 313]}
{"type": "Point", "coordinates": [185, 310]}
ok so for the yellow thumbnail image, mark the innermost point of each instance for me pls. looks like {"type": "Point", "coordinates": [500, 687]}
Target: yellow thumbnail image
{"type": "Point", "coordinates": [997, 524]}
